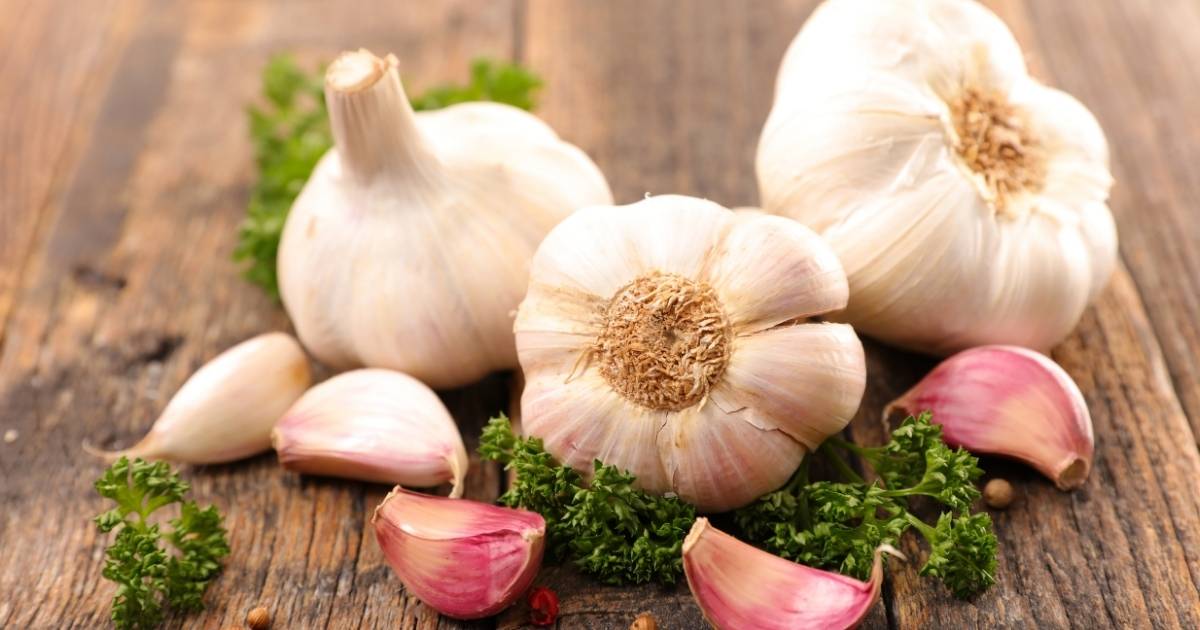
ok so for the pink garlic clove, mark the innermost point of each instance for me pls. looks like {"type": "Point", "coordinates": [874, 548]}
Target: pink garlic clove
{"type": "Point", "coordinates": [463, 558]}
{"type": "Point", "coordinates": [373, 425]}
{"type": "Point", "coordinates": [739, 586]}
{"type": "Point", "coordinates": [1005, 400]}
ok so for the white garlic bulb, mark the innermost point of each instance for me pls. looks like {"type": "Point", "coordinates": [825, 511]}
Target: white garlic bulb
{"type": "Point", "coordinates": [409, 246]}
{"type": "Point", "coordinates": [966, 200]}
{"type": "Point", "coordinates": [670, 338]}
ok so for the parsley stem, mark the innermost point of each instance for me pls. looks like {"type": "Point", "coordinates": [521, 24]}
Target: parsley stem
{"type": "Point", "coordinates": [796, 488]}
{"type": "Point", "coordinates": [849, 473]}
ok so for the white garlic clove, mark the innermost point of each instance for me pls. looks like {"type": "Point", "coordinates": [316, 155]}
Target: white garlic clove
{"type": "Point", "coordinates": [669, 338]}
{"type": "Point", "coordinates": [966, 200]}
{"type": "Point", "coordinates": [225, 411]}
{"type": "Point", "coordinates": [738, 586]}
{"type": "Point", "coordinates": [409, 246]}
{"type": "Point", "coordinates": [373, 425]}
{"type": "Point", "coordinates": [1009, 401]}
{"type": "Point", "coordinates": [464, 559]}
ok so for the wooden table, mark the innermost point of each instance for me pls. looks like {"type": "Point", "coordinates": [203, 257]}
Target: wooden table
{"type": "Point", "coordinates": [124, 172]}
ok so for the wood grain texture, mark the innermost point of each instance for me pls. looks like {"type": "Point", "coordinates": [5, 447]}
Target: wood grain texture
{"type": "Point", "coordinates": [126, 170]}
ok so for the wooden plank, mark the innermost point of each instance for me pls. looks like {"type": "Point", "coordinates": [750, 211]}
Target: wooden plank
{"type": "Point", "coordinates": [1137, 82]}
{"type": "Point", "coordinates": [54, 56]}
{"type": "Point", "coordinates": [150, 217]}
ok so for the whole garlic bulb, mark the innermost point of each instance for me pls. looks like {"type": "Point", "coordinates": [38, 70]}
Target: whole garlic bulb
{"type": "Point", "coordinates": [409, 246]}
{"type": "Point", "coordinates": [670, 338]}
{"type": "Point", "coordinates": [966, 200]}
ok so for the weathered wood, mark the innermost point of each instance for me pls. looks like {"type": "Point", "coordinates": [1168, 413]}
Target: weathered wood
{"type": "Point", "coordinates": [125, 173]}
{"type": "Point", "coordinates": [134, 288]}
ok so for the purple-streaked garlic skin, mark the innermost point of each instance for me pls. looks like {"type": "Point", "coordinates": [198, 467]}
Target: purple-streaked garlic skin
{"type": "Point", "coordinates": [373, 425]}
{"type": "Point", "coordinates": [462, 558]}
{"type": "Point", "coordinates": [739, 586]}
{"type": "Point", "coordinates": [1010, 401]}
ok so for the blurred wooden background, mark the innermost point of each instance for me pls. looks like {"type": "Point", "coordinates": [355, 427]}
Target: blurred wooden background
{"type": "Point", "coordinates": [125, 168]}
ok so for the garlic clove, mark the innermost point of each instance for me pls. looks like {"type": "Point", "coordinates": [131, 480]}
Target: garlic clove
{"type": "Point", "coordinates": [462, 558]}
{"type": "Point", "coordinates": [373, 425]}
{"type": "Point", "coordinates": [739, 586]}
{"type": "Point", "coordinates": [804, 380]}
{"type": "Point", "coordinates": [225, 411]}
{"type": "Point", "coordinates": [775, 270]}
{"type": "Point", "coordinates": [585, 420]}
{"type": "Point", "coordinates": [719, 460]}
{"type": "Point", "coordinates": [1009, 401]}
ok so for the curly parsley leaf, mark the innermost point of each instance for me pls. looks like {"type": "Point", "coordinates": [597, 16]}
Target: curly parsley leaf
{"type": "Point", "coordinates": [149, 576]}
{"type": "Point", "coordinates": [838, 525]}
{"type": "Point", "coordinates": [290, 132]}
{"type": "Point", "coordinates": [607, 528]}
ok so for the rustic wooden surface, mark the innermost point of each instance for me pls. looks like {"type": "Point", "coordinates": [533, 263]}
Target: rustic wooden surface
{"type": "Point", "coordinates": [125, 167]}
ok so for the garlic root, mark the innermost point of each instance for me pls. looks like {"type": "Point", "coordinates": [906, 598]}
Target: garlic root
{"type": "Point", "coordinates": [225, 411]}
{"type": "Point", "coordinates": [739, 586]}
{"type": "Point", "coordinates": [464, 559]}
{"type": "Point", "coordinates": [409, 246]}
{"type": "Point", "coordinates": [373, 425]}
{"type": "Point", "coordinates": [1005, 400]}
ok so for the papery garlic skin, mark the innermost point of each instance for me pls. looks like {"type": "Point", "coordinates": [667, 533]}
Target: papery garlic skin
{"type": "Point", "coordinates": [462, 558]}
{"type": "Point", "coordinates": [373, 425]}
{"type": "Point", "coordinates": [1005, 400]}
{"type": "Point", "coordinates": [225, 411]}
{"type": "Point", "coordinates": [719, 387]}
{"type": "Point", "coordinates": [739, 586]}
{"type": "Point", "coordinates": [966, 200]}
{"type": "Point", "coordinates": [409, 246]}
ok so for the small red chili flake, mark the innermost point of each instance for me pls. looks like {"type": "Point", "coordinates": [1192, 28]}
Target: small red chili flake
{"type": "Point", "coordinates": [543, 606]}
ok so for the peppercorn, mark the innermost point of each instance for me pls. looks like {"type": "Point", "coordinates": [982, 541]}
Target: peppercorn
{"type": "Point", "coordinates": [644, 621]}
{"type": "Point", "coordinates": [998, 493]}
{"type": "Point", "coordinates": [258, 619]}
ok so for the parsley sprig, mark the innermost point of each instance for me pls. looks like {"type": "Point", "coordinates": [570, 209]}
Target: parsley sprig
{"type": "Point", "coordinates": [606, 528]}
{"type": "Point", "coordinates": [838, 525]}
{"type": "Point", "coordinates": [150, 577]}
{"type": "Point", "coordinates": [291, 132]}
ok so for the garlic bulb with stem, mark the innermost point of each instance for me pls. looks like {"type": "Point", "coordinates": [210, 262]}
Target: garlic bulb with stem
{"type": "Point", "coordinates": [409, 246]}
{"type": "Point", "coordinates": [1005, 400]}
{"type": "Point", "coordinates": [373, 425]}
{"type": "Point", "coordinates": [740, 586]}
{"type": "Point", "coordinates": [966, 200]}
{"type": "Point", "coordinates": [225, 411]}
{"type": "Point", "coordinates": [670, 338]}
{"type": "Point", "coordinates": [463, 558]}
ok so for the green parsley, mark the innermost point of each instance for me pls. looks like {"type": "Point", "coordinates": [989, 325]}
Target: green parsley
{"type": "Point", "coordinates": [607, 528]}
{"type": "Point", "coordinates": [291, 132]}
{"type": "Point", "coordinates": [150, 577]}
{"type": "Point", "coordinates": [838, 525]}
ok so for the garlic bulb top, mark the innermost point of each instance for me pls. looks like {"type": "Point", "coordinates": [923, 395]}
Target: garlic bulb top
{"type": "Point", "coordinates": [966, 200]}
{"type": "Point", "coordinates": [410, 244]}
{"type": "Point", "coordinates": [670, 338]}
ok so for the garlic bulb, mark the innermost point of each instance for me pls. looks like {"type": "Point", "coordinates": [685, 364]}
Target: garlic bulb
{"type": "Point", "coordinates": [966, 200]}
{"type": "Point", "coordinates": [462, 558]}
{"type": "Point", "coordinates": [373, 425]}
{"type": "Point", "coordinates": [409, 246]}
{"type": "Point", "coordinates": [1005, 400]}
{"type": "Point", "coordinates": [739, 586]}
{"type": "Point", "coordinates": [225, 411]}
{"type": "Point", "coordinates": [669, 338]}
